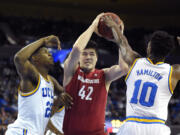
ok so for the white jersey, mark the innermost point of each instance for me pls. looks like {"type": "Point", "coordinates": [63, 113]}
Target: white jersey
{"type": "Point", "coordinates": [148, 93]}
{"type": "Point", "coordinates": [58, 118]}
{"type": "Point", "coordinates": [34, 109]}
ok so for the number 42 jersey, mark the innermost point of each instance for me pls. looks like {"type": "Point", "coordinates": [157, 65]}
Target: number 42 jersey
{"type": "Point", "coordinates": [87, 115]}
{"type": "Point", "coordinates": [149, 90]}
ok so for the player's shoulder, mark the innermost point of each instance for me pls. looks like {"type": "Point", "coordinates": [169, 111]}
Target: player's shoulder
{"type": "Point", "coordinates": [176, 71]}
{"type": "Point", "coordinates": [99, 71]}
{"type": "Point", "coordinates": [138, 60]}
{"type": "Point", "coordinates": [176, 67]}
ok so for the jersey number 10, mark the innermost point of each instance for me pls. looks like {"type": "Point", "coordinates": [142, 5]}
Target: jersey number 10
{"type": "Point", "coordinates": [142, 100]}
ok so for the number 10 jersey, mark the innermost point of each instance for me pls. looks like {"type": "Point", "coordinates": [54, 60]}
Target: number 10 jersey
{"type": "Point", "coordinates": [149, 90]}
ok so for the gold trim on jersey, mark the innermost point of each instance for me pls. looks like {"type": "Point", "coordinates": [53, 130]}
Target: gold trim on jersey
{"type": "Point", "coordinates": [131, 69]}
{"type": "Point", "coordinates": [153, 63]}
{"type": "Point", "coordinates": [144, 120]}
{"type": "Point", "coordinates": [170, 82]}
{"type": "Point", "coordinates": [60, 109]}
{"type": "Point", "coordinates": [32, 92]}
{"type": "Point", "coordinates": [47, 80]}
{"type": "Point", "coordinates": [24, 131]}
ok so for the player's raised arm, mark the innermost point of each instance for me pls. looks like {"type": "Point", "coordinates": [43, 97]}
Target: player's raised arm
{"type": "Point", "coordinates": [128, 54]}
{"type": "Point", "coordinates": [71, 62]}
{"type": "Point", "coordinates": [116, 71]}
{"type": "Point", "coordinates": [22, 57]}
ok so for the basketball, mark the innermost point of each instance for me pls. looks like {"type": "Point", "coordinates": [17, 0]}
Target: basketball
{"type": "Point", "coordinates": [104, 30]}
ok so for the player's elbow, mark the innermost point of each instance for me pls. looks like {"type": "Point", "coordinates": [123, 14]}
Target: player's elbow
{"type": "Point", "coordinates": [18, 58]}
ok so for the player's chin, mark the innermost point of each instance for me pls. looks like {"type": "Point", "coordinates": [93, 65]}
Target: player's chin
{"type": "Point", "coordinates": [89, 68]}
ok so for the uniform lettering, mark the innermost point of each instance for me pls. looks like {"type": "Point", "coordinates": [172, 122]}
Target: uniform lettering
{"type": "Point", "coordinates": [47, 92]}
{"type": "Point", "coordinates": [148, 72]}
{"type": "Point", "coordinates": [88, 80]}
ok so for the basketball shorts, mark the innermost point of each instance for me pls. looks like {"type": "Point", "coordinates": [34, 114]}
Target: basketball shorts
{"type": "Point", "coordinates": [133, 128]}
{"type": "Point", "coordinates": [18, 131]}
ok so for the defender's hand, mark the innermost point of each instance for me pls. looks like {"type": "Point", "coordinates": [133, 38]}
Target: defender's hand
{"type": "Point", "coordinates": [117, 34]}
{"type": "Point", "coordinates": [52, 42]}
{"type": "Point", "coordinates": [110, 22]}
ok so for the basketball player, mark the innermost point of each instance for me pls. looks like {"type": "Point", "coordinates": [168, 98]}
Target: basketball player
{"type": "Point", "coordinates": [150, 84]}
{"type": "Point", "coordinates": [36, 92]}
{"type": "Point", "coordinates": [88, 86]}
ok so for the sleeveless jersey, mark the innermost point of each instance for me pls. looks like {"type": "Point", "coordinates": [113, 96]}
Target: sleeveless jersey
{"type": "Point", "coordinates": [87, 115]}
{"type": "Point", "coordinates": [58, 118]}
{"type": "Point", "coordinates": [149, 90]}
{"type": "Point", "coordinates": [34, 108]}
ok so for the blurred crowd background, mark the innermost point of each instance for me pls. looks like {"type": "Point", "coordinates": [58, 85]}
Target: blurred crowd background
{"type": "Point", "coordinates": [17, 31]}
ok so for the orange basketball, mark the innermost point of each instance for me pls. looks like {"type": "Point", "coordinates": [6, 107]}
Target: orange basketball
{"type": "Point", "coordinates": [104, 30]}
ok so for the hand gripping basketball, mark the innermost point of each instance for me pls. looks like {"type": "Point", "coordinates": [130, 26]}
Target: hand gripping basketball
{"type": "Point", "coordinates": [104, 30]}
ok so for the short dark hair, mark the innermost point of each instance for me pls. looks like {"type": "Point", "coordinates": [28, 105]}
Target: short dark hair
{"type": "Point", "coordinates": [93, 45]}
{"type": "Point", "coordinates": [162, 43]}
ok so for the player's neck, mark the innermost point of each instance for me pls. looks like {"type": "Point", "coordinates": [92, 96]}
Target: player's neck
{"type": "Point", "coordinates": [156, 59]}
{"type": "Point", "coordinates": [85, 70]}
{"type": "Point", "coordinates": [43, 71]}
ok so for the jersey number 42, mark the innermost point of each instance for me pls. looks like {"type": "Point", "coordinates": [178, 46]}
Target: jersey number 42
{"type": "Point", "coordinates": [85, 94]}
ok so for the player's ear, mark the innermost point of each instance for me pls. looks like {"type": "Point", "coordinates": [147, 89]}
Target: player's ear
{"type": "Point", "coordinates": [96, 57]}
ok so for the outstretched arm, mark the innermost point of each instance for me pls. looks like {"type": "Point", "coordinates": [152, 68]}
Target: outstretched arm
{"type": "Point", "coordinates": [71, 62]}
{"type": "Point", "coordinates": [127, 53]}
{"type": "Point", "coordinates": [116, 71]}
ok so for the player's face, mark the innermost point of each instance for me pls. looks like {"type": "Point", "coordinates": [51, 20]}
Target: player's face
{"type": "Point", "coordinates": [88, 59]}
{"type": "Point", "coordinates": [45, 57]}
